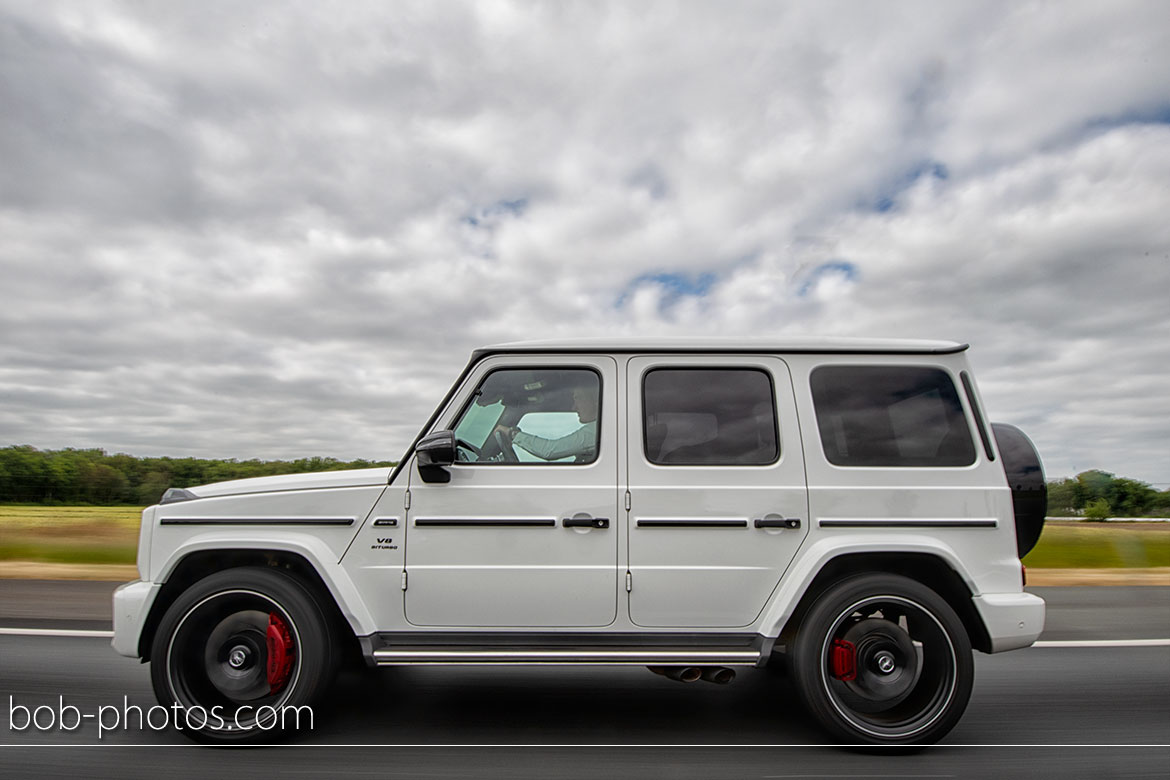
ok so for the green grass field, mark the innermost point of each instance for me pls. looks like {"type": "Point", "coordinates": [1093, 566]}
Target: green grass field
{"type": "Point", "coordinates": [69, 534]}
{"type": "Point", "coordinates": [106, 534]}
{"type": "Point", "coordinates": [1077, 545]}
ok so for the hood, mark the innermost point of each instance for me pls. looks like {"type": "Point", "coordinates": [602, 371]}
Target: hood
{"type": "Point", "coordinates": [311, 481]}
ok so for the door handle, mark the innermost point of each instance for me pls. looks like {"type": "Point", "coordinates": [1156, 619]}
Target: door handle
{"type": "Point", "coordinates": [776, 521]}
{"type": "Point", "coordinates": [585, 522]}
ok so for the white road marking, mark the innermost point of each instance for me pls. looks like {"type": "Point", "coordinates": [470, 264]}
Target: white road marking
{"type": "Point", "coordinates": [1104, 643]}
{"type": "Point", "coordinates": [53, 632]}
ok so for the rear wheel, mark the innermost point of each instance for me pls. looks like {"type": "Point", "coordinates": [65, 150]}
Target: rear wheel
{"type": "Point", "coordinates": [881, 659]}
{"type": "Point", "coordinates": [236, 651]}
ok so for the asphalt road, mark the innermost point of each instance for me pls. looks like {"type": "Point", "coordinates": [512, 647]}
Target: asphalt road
{"type": "Point", "coordinates": [1107, 708]}
{"type": "Point", "coordinates": [1073, 612]}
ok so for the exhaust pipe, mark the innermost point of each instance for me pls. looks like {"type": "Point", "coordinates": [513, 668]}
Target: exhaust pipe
{"type": "Point", "coordinates": [687, 674]}
{"type": "Point", "coordinates": [720, 675]}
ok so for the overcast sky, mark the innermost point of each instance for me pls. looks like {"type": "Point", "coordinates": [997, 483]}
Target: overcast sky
{"type": "Point", "coordinates": [277, 230]}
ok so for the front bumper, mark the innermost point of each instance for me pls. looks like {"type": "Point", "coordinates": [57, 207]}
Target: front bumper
{"type": "Point", "coordinates": [132, 603]}
{"type": "Point", "coordinates": [1013, 620]}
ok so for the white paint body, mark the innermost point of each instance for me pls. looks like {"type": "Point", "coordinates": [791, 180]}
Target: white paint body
{"type": "Point", "coordinates": [396, 576]}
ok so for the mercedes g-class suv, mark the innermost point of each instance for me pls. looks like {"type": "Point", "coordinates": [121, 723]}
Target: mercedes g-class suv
{"type": "Point", "coordinates": [839, 508]}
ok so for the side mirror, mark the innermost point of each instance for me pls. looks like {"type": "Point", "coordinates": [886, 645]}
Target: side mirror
{"type": "Point", "coordinates": [435, 451]}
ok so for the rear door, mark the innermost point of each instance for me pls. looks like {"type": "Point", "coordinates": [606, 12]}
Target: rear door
{"type": "Point", "coordinates": [718, 503]}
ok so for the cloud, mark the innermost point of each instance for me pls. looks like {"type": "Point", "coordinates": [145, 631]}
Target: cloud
{"type": "Point", "coordinates": [272, 232]}
{"type": "Point", "coordinates": [828, 280]}
{"type": "Point", "coordinates": [666, 288]}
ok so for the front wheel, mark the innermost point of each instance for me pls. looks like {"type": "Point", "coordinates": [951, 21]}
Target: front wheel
{"type": "Point", "coordinates": [241, 656]}
{"type": "Point", "coordinates": [881, 659]}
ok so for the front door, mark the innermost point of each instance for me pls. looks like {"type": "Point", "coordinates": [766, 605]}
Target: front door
{"type": "Point", "coordinates": [525, 532]}
{"type": "Point", "coordinates": [717, 487]}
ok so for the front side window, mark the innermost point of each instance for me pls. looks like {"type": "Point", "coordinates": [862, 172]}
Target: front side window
{"type": "Point", "coordinates": [709, 417]}
{"type": "Point", "coordinates": [532, 415]}
{"type": "Point", "coordinates": [890, 416]}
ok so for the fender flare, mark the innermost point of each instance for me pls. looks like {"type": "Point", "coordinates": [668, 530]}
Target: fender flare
{"type": "Point", "coordinates": [796, 581]}
{"type": "Point", "coordinates": [318, 555]}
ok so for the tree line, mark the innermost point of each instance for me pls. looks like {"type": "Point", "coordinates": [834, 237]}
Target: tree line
{"type": "Point", "coordinates": [1099, 495]}
{"type": "Point", "coordinates": [71, 476]}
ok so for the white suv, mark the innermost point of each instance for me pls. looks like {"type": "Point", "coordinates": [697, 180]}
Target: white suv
{"type": "Point", "coordinates": [839, 508]}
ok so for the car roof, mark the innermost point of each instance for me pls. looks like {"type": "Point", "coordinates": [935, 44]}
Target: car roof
{"type": "Point", "coordinates": [725, 346]}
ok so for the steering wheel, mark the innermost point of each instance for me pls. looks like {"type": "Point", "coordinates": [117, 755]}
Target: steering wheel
{"type": "Point", "coordinates": [462, 448]}
{"type": "Point", "coordinates": [506, 449]}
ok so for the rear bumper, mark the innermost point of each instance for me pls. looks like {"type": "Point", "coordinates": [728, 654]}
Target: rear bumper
{"type": "Point", "coordinates": [1013, 620]}
{"type": "Point", "coordinates": [132, 603]}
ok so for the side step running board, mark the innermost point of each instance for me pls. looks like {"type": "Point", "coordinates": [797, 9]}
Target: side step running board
{"type": "Point", "coordinates": [648, 656]}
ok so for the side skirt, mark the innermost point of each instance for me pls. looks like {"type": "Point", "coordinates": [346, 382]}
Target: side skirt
{"type": "Point", "coordinates": [565, 649]}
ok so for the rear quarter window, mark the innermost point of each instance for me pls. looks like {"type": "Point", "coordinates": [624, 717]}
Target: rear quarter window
{"type": "Point", "coordinates": [900, 416]}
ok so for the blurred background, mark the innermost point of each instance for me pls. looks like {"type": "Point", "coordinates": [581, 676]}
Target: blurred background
{"type": "Point", "coordinates": [249, 239]}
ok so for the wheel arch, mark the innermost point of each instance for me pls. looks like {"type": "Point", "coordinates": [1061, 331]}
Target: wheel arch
{"type": "Point", "coordinates": [197, 564]}
{"type": "Point", "coordinates": [929, 569]}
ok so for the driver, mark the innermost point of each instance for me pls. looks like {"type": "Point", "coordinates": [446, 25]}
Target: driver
{"type": "Point", "coordinates": [581, 443]}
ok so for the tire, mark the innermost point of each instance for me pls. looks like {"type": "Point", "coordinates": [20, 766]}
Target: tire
{"type": "Point", "coordinates": [910, 656]}
{"type": "Point", "coordinates": [235, 644]}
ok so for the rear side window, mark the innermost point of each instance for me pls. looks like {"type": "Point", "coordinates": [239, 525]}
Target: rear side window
{"type": "Point", "coordinates": [709, 417]}
{"type": "Point", "coordinates": [890, 416]}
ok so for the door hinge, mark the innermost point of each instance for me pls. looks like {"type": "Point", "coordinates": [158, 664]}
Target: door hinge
{"type": "Point", "coordinates": [629, 503]}
{"type": "Point", "coordinates": [406, 500]}
{"type": "Point", "coordinates": [404, 579]}
{"type": "Point", "coordinates": [629, 582]}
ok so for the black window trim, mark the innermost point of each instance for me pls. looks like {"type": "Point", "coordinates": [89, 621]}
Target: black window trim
{"type": "Point", "coordinates": [938, 367]}
{"type": "Point", "coordinates": [765, 370]}
{"type": "Point", "coordinates": [537, 367]}
{"type": "Point", "coordinates": [980, 422]}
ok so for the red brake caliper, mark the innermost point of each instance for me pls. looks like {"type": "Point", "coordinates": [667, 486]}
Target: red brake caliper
{"type": "Point", "coordinates": [843, 660]}
{"type": "Point", "coordinates": [281, 652]}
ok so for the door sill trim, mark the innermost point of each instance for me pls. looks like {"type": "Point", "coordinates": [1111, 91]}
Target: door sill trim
{"type": "Point", "coordinates": [495, 656]}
